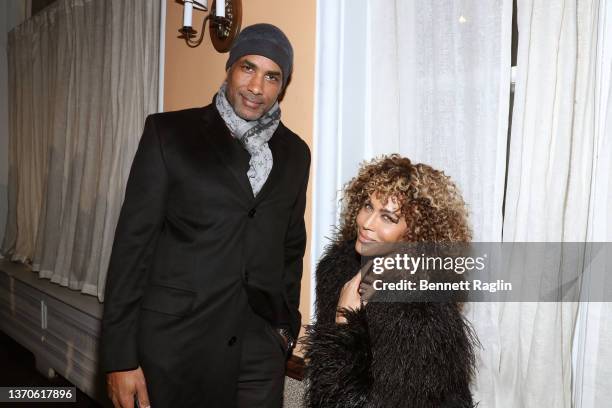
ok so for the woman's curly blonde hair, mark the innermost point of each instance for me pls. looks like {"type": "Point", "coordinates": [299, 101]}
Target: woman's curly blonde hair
{"type": "Point", "coordinates": [430, 202]}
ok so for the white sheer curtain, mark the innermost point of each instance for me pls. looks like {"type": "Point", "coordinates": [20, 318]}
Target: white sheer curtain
{"type": "Point", "coordinates": [430, 80]}
{"type": "Point", "coordinates": [558, 190]}
{"type": "Point", "coordinates": [427, 79]}
{"type": "Point", "coordinates": [440, 83]}
{"type": "Point", "coordinates": [83, 76]}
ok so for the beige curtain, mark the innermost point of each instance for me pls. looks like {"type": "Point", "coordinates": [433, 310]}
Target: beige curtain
{"type": "Point", "coordinates": [83, 75]}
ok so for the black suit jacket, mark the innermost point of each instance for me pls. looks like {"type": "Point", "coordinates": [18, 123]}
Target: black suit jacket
{"type": "Point", "coordinates": [193, 247]}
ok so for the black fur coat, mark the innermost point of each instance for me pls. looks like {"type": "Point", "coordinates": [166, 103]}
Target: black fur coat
{"type": "Point", "coordinates": [417, 355]}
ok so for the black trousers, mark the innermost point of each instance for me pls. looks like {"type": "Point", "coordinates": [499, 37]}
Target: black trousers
{"type": "Point", "coordinates": [262, 368]}
{"type": "Point", "coordinates": [171, 370]}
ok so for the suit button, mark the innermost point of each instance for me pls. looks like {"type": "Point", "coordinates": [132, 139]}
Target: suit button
{"type": "Point", "coordinates": [232, 341]}
{"type": "Point", "coordinates": [252, 212]}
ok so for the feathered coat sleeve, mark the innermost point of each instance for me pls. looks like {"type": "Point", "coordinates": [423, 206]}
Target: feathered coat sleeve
{"type": "Point", "coordinates": [387, 354]}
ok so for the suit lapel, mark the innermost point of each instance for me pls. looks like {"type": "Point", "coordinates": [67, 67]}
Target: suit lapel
{"type": "Point", "coordinates": [229, 151]}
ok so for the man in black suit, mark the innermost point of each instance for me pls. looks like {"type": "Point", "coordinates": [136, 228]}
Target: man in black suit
{"type": "Point", "coordinates": [201, 303]}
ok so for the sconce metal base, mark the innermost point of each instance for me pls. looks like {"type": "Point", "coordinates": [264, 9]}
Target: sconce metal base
{"type": "Point", "coordinates": [187, 32]}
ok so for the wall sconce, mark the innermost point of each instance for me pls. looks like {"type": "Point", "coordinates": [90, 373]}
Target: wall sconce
{"type": "Point", "coordinates": [224, 22]}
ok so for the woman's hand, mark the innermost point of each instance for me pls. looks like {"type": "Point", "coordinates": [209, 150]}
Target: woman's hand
{"type": "Point", "coordinates": [350, 297]}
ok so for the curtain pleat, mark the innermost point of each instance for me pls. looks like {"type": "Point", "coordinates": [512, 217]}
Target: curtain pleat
{"type": "Point", "coordinates": [593, 335]}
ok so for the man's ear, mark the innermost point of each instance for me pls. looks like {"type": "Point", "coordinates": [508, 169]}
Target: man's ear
{"type": "Point", "coordinates": [281, 95]}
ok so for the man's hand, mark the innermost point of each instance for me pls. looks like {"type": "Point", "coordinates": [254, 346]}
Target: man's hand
{"type": "Point", "coordinates": [123, 386]}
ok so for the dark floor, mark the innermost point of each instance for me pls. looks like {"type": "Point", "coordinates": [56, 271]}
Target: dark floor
{"type": "Point", "coordinates": [17, 368]}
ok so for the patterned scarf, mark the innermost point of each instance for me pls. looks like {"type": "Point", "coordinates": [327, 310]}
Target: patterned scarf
{"type": "Point", "coordinates": [254, 136]}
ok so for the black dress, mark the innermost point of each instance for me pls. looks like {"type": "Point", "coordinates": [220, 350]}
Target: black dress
{"type": "Point", "coordinates": [387, 354]}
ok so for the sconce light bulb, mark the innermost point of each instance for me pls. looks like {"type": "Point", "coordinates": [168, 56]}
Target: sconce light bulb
{"type": "Point", "coordinates": [220, 8]}
{"type": "Point", "coordinates": [188, 13]}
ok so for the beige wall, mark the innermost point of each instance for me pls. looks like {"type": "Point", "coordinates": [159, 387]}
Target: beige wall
{"type": "Point", "coordinates": [193, 75]}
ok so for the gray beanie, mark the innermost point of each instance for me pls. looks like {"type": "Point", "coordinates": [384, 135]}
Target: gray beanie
{"type": "Point", "coordinates": [265, 40]}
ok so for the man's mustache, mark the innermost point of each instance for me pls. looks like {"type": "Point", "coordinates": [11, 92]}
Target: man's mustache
{"type": "Point", "coordinates": [252, 98]}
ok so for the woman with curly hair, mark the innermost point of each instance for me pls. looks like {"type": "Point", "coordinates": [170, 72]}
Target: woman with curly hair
{"type": "Point", "coordinates": [410, 354]}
